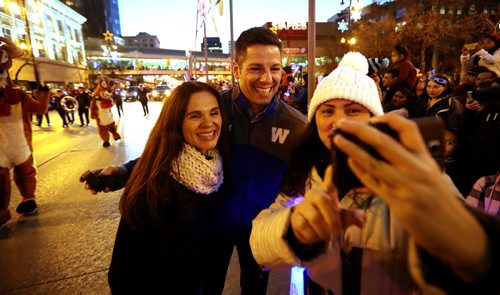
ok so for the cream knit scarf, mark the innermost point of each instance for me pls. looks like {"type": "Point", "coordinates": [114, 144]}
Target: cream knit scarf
{"type": "Point", "coordinates": [196, 172]}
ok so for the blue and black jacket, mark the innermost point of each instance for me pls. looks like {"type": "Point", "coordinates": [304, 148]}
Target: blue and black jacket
{"type": "Point", "coordinates": [260, 147]}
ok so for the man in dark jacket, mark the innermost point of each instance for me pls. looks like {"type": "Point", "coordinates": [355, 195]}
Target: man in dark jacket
{"type": "Point", "coordinates": [143, 98]}
{"type": "Point", "coordinates": [263, 130]}
{"type": "Point", "coordinates": [83, 99]}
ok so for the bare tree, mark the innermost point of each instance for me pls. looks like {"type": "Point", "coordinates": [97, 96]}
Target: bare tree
{"type": "Point", "coordinates": [444, 31]}
{"type": "Point", "coordinates": [437, 28]}
{"type": "Point", "coordinates": [376, 37]}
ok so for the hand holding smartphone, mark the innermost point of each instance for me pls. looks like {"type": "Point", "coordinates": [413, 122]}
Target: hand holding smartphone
{"type": "Point", "coordinates": [431, 128]}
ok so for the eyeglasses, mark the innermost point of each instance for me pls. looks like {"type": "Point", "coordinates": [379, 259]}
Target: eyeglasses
{"type": "Point", "coordinates": [438, 80]}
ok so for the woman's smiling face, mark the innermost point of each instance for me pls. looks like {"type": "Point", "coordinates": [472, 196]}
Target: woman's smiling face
{"type": "Point", "coordinates": [202, 122]}
{"type": "Point", "coordinates": [330, 112]}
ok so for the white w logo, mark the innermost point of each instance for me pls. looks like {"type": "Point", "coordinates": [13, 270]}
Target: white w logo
{"type": "Point", "coordinates": [279, 134]}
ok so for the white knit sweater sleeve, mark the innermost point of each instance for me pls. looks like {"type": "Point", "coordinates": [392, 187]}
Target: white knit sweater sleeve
{"type": "Point", "coordinates": [267, 241]}
{"type": "Point", "coordinates": [483, 54]}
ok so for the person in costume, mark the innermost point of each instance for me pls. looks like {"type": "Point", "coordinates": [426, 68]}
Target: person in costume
{"type": "Point", "coordinates": [16, 150]}
{"type": "Point", "coordinates": [100, 110]}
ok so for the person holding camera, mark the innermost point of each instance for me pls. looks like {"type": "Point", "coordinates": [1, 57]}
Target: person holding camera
{"type": "Point", "coordinates": [479, 138]}
{"type": "Point", "coordinates": [309, 224]}
{"type": "Point", "coordinates": [453, 248]}
{"type": "Point", "coordinates": [487, 55]}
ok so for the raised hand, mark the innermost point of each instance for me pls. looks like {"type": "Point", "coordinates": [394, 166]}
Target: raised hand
{"type": "Point", "coordinates": [418, 193]}
{"type": "Point", "coordinates": [320, 216]}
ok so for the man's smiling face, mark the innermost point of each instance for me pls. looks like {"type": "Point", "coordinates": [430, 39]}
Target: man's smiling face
{"type": "Point", "coordinates": [259, 75]}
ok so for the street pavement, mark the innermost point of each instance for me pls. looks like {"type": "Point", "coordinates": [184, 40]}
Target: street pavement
{"type": "Point", "coordinates": [66, 248]}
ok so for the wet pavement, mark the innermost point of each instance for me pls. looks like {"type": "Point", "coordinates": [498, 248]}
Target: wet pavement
{"type": "Point", "coordinates": [66, 248]}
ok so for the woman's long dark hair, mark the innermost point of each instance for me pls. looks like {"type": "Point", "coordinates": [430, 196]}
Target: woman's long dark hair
{"type": "Point", "coordinates": [146, 191]}
{"type": "Point", "coordinates": [411, 104]}
{"type": "Point", "coordinates": [495, 39]}
{"type": "Point", "coordinates": [310, 152]}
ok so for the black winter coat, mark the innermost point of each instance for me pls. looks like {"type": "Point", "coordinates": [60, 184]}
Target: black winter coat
{"type": "Point", "coordinates": [169, 259]}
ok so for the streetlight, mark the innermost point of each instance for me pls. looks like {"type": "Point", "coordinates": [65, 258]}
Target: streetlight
{"type": "Point", "coordinates": [354, 15]}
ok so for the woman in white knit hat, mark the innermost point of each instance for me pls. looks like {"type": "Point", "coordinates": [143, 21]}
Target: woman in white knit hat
{"type": "Point", "coordinates": [314, 231]}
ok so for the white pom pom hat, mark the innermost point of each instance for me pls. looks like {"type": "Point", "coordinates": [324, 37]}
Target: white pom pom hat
{"type": "Point", "coordinates": [350, 82]}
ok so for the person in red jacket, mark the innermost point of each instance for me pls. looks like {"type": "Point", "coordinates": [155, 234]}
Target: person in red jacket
{"type": "Point", "coordinates": [407, 76]}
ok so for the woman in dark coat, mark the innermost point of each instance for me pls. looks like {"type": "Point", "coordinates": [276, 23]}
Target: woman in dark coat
{"type": "Point", "coordinates": [439, 101]}
{"type": "Point", "coordinates": [167, 203]}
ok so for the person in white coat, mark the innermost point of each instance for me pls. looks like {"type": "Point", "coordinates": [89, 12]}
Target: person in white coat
{"type": "Point", "coordinates": [487, 55]}
{"type": "Point", "coordinates": [314, 231]}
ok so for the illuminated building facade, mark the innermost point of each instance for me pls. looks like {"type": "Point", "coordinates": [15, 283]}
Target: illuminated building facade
{"type": "Point", "coordinates": [55, 41]}
{"type": "Point", "coordinates": [137, 65]}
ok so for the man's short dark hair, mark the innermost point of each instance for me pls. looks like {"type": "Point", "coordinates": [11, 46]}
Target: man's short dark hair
{"type": "Point", "coordinates": [393, 72]}
{"type": "Point", "coordinates": [252, 36]}
{"type": "Point", "coordinates": [492, 74]}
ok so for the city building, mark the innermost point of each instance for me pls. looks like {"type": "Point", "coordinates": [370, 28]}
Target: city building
{"type": "Point", "coordinates": [55, 42]}
{"type": "Point", "coordinates": [142, 40]}
{"type": "Point", "coordinates": [213, 45]}
{"type": "Point", "coordinates": [102, 16]}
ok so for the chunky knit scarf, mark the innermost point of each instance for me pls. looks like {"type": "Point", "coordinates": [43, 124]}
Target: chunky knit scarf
{"type": "Point", "coordinates": [196, 172]}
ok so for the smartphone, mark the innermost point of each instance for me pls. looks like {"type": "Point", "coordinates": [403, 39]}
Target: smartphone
{"type": "Point", "coordinates": [431, 129]}
{"type": "Point", "coordinates": [470, 99]}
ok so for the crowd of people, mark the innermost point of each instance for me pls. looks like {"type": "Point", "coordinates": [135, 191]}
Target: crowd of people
{"type": "Point", "coordinates": [245, 169]}
{"type": "Point", "coordinates": [67, 108]}
{"type": "Point", "coordinates": [468, 107]}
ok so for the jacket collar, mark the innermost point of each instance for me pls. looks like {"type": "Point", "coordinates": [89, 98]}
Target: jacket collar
{"type": "Point", "coordinates": [242, 104]}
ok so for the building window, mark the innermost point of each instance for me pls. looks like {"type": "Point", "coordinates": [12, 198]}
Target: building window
{"type": "Point", "coordinates": [40, 48]}
{"type": "Point", "coordinates": [57, 52]}
{"type": "Point", "coordinates": [6, 33]}
{"type": "Point", "coordinates": [50, 24]}
{"type": "Point", "coordinates": [77, 36]}
{"type": "Point", "coordinates": [60, 27]}
{"type": "Point", "coordinates": [70, 33]}
{"type": "Point", "coordinates": [64, 53]}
